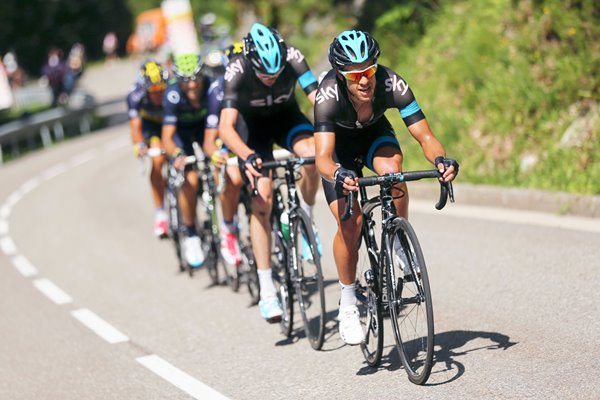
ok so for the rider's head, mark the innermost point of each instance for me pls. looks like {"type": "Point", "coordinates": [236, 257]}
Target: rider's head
{"type": "Point", "coordinates": [154, 79]}
{"type": "Point", "coordinates": [265, 49]}
{"type": "Point", "coordinates": [187, 69]}
{"type": "Point", "coordinates": [353, 54]}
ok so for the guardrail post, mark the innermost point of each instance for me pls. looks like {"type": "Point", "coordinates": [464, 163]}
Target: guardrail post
{"type": "Point", "coordinates": [1, 155]}
{"type": "Point", "coordinates": [59, 131]}
{"type": "Point", "coordinates": [84, 124]}
{"type": "Point", "coordinates": [15, 150]}
{"type": "Point", "coordinates": [45, 135]}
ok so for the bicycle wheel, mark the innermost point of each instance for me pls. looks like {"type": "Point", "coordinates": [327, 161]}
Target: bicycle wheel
{"type": "Point", "coordinates": [410, 304]}
{"type": "Point", "coordinates": [248, 273]}
{"type": "Point", "coordinates": [281, 276]}
{"type": "Point", "coordinates": [308, 282]}
{"type": "Point", "coordinates": [368, 284]}
{"type": "Point", "coordinates": [174, 227]}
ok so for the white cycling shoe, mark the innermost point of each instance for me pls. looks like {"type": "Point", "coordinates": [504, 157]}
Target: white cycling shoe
{"type": "Point", "coordinates": [192, 250]}
{"type": "Point", "coordinates": [351, 330]}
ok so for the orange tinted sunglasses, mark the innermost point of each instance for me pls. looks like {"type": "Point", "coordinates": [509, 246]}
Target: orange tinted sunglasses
{"type": "Point", "coordinates": [355, 76]}
{"type": "Point", "coordinates": [157, 87]}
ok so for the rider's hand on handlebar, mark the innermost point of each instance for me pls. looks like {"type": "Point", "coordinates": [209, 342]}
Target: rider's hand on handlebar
{"type": "Point", "coordinates": [179, 162]}
{"type": "Point", "coordinates": [447, 167]}
{"type": "Point", "coordinates": [345, 181]}
{"type": "Point", "coordinates": [218, 158]}
{"type": "Point", "coordinates": [140, 149]}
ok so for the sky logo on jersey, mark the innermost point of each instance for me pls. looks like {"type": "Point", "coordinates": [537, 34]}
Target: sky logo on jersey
{"type": "Point", "coordinates": [270, 101]}
{"type": "Point", "coordinates": [330, 92]}
{"type": "Point", "coordinates": [233, 69]}
{"type": "Point", "coordinates": [294, 54]}
{"type": "Point", "coordinates": [395, 84]}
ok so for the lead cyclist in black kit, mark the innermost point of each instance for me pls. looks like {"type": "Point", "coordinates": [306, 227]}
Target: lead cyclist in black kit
{"type": "Point", "coordinates": [259, 91]}
{"type": "Point", "coordinates": [350, 123]}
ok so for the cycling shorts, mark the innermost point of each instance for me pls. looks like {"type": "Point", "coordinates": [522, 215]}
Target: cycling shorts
{"type": "Point", "coordinates": [359, 143]}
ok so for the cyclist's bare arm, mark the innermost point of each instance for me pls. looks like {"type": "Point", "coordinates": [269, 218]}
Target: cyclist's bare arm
{"type": "Point", "coordinates": [324, 149]}
{"type": "Point", "coordinates": [431, 146]}
{"type": "Point", "coordinates": [210, 137]}
{"type": "Point", "coordinates": [135, 124]}
{"type": "Point", "coordinates": [311, 97]}
{"type": "Point", "coordinates": [167, 134]}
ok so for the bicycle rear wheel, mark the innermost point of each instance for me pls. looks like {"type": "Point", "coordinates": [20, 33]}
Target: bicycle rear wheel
{"type": "Point", "coordinates": [368, 284]}
{"type": "Point", "coordinates": [173, 225]}
{"type": "Point", "coordinates": [410, 304]}
{"type": "Point", "coordinates": [308, 282]}
{"type": "Point", "coordinates": [248, 274]}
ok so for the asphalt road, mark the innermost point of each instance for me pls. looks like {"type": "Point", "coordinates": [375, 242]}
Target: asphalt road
{"type": "Point", "coordinates": [92, 305]}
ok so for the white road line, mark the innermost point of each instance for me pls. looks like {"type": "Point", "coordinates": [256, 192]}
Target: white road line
{"type": "Point", "coordinates": [102, 328]}
{"type": "Point", "coordinates": [3, 227]}
{"type": "Point", "coordinates": [52, 291]}
{"type": "Point", "coordinates": [4, 211]}
{"type": "Point", "coordinates": [13, 198]}
{"type": "Point", "coordinates": [54, 171]}
{"type": "Point", "coordinates": [29, 185]}
{"type": "Point", "coordinates": [178, 378]}
{"type": "Point", "coordinates": [83, 158]}
{"type": "Point", "coordinates": [8, 246]}
{"type": "Point", "coordinates": [23, 265]}
{"type": "Point", "coordinates": [509, 215]}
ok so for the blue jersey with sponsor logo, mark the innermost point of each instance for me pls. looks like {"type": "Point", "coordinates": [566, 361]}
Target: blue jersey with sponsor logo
{"type": "Point", "coordinates": [333, 107]}
{"type": "Point", "coordinates": [180, 112]}
{"type": "Point", "coordinates": [245, 92]}
{"type": "Point", "coordinates": [140, 106]}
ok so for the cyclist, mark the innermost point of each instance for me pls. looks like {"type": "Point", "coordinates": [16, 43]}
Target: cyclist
{"type": "Point", "coordinates": [188, 103]}
{"type": "Point", "coordinates": [350, 123]}
{"type": "Point", "coordinates": [259, 96]}
{"type": "Point", "coordinates": [145, 111]}
{"type": "Point", "coordinates": [214, 67]}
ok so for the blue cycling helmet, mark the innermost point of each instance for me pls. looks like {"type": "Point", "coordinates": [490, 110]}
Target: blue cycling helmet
{"type": "Point", "coordinates": [352, 47]}
{"type": "Point", "coordinates": [265, 49]}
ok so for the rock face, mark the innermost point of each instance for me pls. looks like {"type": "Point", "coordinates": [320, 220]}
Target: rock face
{"type": "Point", "coordinates": [582, 128]}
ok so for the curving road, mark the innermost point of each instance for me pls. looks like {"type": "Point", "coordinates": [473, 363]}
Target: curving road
{"type": "Point", "coordinates": [92, 305]}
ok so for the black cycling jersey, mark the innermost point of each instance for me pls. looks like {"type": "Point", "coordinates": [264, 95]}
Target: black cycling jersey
{"type": "Point", "coordinates": [140, 106]}
{"type": "Point", "coordinates": [333, 107]}
{"type": "Point", "coordinates": [245, 92]}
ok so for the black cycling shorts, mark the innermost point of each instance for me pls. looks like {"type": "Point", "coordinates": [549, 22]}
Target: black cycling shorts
{"type": "Point", "coordinates": [351, 144]}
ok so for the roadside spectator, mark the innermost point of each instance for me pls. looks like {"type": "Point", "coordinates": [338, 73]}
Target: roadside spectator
{"type": "Point", "coordinates": [54, 72]}
{"type": "Point", "coordinates": [15, 74]}
{"type": "Point", "coordinates": [110, 45]}
{"type": "Point", "coordinates": [74, 68]}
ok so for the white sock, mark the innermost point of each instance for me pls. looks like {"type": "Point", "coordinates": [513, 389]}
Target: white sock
{"type": "Point", "coordinates": [307, 209]}
{"type": "Point", "coordinates": [348, 295]}
{"type": "Point", "coordinates": [160, 213]}
{"type": "Point", "coordinates": [265, 279]}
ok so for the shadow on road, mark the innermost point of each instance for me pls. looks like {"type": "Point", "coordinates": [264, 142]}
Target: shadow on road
{"type": "Point", "coordinates": [449, 347]}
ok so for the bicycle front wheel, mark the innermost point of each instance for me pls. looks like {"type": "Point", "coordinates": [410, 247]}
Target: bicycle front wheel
{"type": "Point", "coordinates": [409, 297]}
{"type": "Point", "coordinates": [281, 278]}
{"type": "Point", "coordinates": [308, 282]}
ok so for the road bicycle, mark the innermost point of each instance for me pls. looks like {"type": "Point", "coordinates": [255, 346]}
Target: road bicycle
{"type": "Point", "coordinates": [207, 219]}
{"type": "Point", "coordinates": [296, 261]}
{"type": "Point", "coordinates": [392, 279]}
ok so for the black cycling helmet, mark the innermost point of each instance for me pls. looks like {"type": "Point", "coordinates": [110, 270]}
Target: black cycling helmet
{"type": "Point", "coordinates": [265, 49]}
{"type": "Point", "coordinates": [352, 47]}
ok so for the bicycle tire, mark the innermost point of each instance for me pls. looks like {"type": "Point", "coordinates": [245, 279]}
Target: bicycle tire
{"type": "Point", "coordinates": [174, 227]}
{"type": "Point", "coordinates": [281, 277]}
{"type": "Point", "coordinates": [250, 274]}
{"type": "Point", "coordinates": [410, 302]}
{"type": "Point", "coordinates": [368, 283]}
{"type": "Point", "coordinates": [308, 283]}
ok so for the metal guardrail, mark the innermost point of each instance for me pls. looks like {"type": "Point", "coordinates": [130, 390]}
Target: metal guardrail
{"type": "Point", "coordinates": [78, 115]}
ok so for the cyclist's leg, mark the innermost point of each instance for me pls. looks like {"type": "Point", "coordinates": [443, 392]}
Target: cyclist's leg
{"type": "Point", "coordinates": [151, 133]}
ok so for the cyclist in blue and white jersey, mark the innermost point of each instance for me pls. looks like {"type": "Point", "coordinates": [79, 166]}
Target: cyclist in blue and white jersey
{"type": "Point", "coordinates": [191, 107]}
{"type": "Point", "coordinates": [350, 123]}
{"type": "Point", "coordinates": [259, 97]}
{"type": "Point", "coordinates": [145, 111]}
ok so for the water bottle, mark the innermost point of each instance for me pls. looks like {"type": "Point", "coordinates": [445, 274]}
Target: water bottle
{"type": "Point", "coordinates": [285, 224]}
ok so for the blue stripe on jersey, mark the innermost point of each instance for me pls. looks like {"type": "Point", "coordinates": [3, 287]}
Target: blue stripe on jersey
{"type": "Point", "coordinates": [292, 133]}
{"type": "Point", "coordinates": [376, 145]}
{"type": "Point", "coordinates": [306, 79]}
{"type": "Point", "coordinates": [410, 109]}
